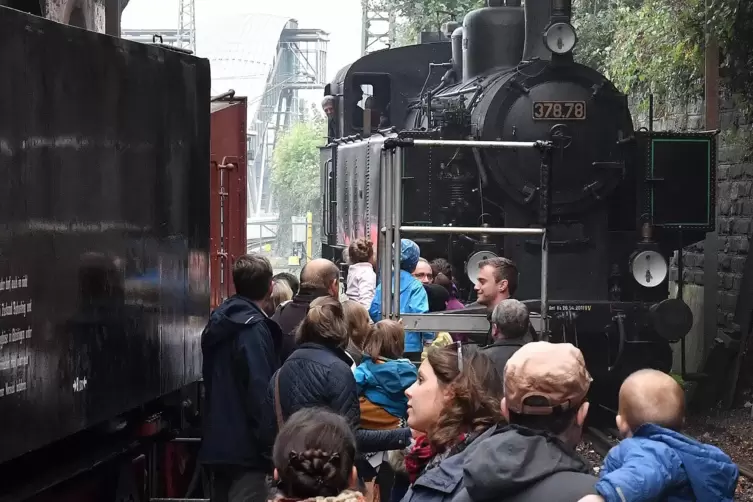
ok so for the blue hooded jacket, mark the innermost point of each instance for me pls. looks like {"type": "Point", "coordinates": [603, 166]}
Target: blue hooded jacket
{"type": "Point", "coordinates": [658, 463]}
{"type": "Point", "coordinates": [384, 384]}
{"type": "Point", "coordinates": [413, 298]}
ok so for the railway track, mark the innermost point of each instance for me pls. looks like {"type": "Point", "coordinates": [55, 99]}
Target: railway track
{"type": "Point", "coordinates": [602, 440]}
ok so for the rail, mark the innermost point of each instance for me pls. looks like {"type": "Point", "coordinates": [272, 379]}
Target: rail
{"type": "Point", "coordinates": [392, 229]}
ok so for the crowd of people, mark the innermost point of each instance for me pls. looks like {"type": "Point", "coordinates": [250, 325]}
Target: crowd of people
{"type": "Point", "coordinates": [310, 398]}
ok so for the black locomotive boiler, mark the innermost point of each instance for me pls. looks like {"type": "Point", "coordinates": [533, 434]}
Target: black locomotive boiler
{"type": "Point", "coordinates": [616, 202]}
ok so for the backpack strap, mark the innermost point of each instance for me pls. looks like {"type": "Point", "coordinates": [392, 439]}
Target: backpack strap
{"type": "Point", "coordinates": [278, 406]}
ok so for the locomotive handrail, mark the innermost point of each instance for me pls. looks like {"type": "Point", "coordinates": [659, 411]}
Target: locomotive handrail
{"type": "Point", "coordinates": [455, 322]}
{"type": "Point", "coordinates": [391, 228]}
{"type": "Point", "coordinates": [473, 230]}
{"type": "Point", "coordinates": [392, 143]}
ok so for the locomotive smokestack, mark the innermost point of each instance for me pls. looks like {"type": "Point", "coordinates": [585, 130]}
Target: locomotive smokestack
{"type": "Point", "coordinates": [538, 15]}
{"type": "Point", "coordinates": [562, 8]}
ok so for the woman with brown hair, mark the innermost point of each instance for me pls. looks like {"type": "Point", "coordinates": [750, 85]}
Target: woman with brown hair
{"type": "Point", "coordinates": [318, 374]}
{"type": "Point", "coordinates": [455, 400]}
{"type": "Point", "coordinates": [359, 325]}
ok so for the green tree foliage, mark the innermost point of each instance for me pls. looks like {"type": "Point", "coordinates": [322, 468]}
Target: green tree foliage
{"type": "Point", "coordinates": [295, 176]}
{"type": "Point", "coordinates": [426, 15]}
{"type": "Point", "coordinates": [656, 47]}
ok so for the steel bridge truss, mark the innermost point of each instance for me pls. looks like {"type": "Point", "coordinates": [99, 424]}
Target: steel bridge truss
{"type": "Point", "coordinates": [300, 63]}
{"type": "Point", "coordinates": [377, 27]}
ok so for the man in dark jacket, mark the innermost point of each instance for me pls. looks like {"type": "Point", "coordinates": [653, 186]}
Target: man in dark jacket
{"type": "Point", "coordinates": [240, 349]}
{"type": "Point", "coordinates": [319, 277]}
{"type": "Point", "coordinates": [545, 403]}
{"type": "Point", "coordinates": [534, 458]}
{"type": "Point", "coordinates": [509, 324]}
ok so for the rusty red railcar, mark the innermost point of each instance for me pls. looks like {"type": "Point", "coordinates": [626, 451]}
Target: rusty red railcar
{"type": "Point", "coordinates": [228, 191]}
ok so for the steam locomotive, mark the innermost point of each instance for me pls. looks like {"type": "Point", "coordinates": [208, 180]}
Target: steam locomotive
{"type": "Point", "coordinates": [616, 203]}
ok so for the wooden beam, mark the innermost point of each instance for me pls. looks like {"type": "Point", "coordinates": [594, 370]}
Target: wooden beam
{"type": "Point", "coordinates": [711, 242]}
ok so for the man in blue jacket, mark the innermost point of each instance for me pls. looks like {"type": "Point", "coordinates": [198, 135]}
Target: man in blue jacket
{"type": "Point", "coordinates": [413, 298]}
{"type": "Point", "coordinates": [240, 347]}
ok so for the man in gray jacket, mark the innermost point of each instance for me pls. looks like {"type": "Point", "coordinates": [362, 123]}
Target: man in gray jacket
{"type": "Point", "coordinates": [533, 458]}
{"type": "Point", "coordinates": [509, 325]}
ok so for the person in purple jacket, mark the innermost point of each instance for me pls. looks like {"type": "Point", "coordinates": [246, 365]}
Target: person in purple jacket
{"type": "Point", "coordinates": [655, 461]}
{"type": "Point", "coordinates": [443, 276]}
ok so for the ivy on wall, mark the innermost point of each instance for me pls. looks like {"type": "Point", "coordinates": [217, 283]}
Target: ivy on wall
{"type": "Point", "coordinates": [657, 46]}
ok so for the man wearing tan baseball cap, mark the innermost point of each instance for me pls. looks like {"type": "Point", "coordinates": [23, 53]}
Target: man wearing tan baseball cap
{"type": "Point", "coordinates": [534, 457]}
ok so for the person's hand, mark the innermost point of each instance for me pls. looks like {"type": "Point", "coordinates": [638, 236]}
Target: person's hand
{"type": "Point", "coordinates": [592, 498]}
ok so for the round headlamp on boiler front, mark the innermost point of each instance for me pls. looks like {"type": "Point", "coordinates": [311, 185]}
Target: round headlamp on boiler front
{"type": "Point", "coordinates": [471, 267]}
{"type": "Point", "coordinates": [560, 38]}
{"type": "Point", "coordinates": [648, 268]}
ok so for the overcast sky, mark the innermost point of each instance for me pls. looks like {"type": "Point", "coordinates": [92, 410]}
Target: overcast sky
{"type": "Point", "coordinates": [340, 18]}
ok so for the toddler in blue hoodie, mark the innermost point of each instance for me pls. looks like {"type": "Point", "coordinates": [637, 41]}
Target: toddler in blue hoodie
{"type": "Point", "coordinates": [383, 377]}
{"type": "Point", "coordinates": [655, 461]}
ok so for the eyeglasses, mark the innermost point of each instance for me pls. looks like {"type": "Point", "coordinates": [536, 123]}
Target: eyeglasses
{"type": "Point", "coordinates": [460, 356]}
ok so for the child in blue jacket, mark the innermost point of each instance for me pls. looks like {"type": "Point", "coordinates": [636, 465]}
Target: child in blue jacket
{"type": "Point", "coordinates": [383, 377]}
{"type": "Point", "coordinates": [655, 461]}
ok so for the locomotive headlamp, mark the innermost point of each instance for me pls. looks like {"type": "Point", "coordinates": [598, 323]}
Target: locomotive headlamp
{"type": "Point", "coordinates": [471, 267]}
{"type": "Point", "coordinates": [649, 268]}
{"type": "Point", "coordinates": [560, 38]}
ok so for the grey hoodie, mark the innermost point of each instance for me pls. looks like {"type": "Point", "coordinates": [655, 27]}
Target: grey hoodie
{"type": "Point", "coordinates": [519, 464]}
{"type": "Point", "coordinates": [510, 464]}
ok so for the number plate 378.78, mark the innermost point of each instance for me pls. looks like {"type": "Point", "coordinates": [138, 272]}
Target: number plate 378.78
{"type": "Point", "coordinates": [559, 110]}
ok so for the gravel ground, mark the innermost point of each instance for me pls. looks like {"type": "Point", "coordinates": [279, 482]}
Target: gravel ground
{"type": "Point", "coordinates": [732, 431]}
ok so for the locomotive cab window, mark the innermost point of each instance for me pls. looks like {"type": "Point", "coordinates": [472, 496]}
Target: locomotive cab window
{"type": "Point", "coordinates": [369, 102]}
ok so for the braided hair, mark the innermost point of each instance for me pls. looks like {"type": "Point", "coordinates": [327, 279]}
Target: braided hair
{"type": "Point", "coordinates": [314, 454]}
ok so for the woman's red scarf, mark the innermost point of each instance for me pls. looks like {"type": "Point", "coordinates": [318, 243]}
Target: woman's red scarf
{"type": "Point", "coordinates": [420, 455]}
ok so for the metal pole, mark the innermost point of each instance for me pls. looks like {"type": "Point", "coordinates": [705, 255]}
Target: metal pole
{"type": "Point", "coordinates": [480, 144]}
{"type": "Point", "coordinates": [381, 234]}
{"type": "Point", "coordinates": [397, 218]}
{"type": "Point", "coordinates": [544, 288]}
{"type": "Point", "coordinates": [473, 230]}
{"type": "Point", "coordinates": [386, 264]}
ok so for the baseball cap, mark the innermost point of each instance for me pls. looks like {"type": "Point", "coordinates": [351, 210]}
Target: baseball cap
{"type": "Point", "coordinates": [542, 377]}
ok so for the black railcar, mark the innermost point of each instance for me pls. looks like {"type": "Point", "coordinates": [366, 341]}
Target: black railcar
{"type": "Point", "coordinates": [609, 197]}
{"type": "Point", "coordinates": [104, 232]}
